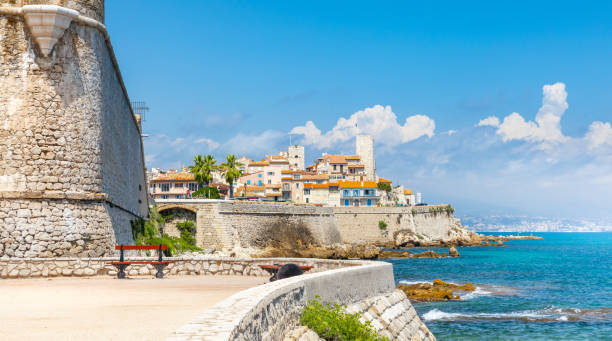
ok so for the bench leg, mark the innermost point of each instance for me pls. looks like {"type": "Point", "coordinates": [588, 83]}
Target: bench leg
{"type": "Point", "coordinates": [160, 271]}
{"type": "Point", "coordinates": [121, 270]}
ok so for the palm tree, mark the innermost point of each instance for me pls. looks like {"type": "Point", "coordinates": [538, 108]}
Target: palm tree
{"type": "Point", "coordinates": [231, 172]}
{"type": "Point", "coordinates": [202, 170]}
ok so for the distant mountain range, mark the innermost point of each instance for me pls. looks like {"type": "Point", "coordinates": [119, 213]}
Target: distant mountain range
{"type": "Point", "coordinates": [533, 224]}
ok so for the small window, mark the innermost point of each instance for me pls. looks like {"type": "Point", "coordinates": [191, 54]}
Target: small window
{"type": "Point", "coordinates": [165, 188]}
{"type": "Point", "coordinates": [178, 185]}
{"type": "Point", "coordinates": [269, 182]}
{"type": "Point", "coordinates": [271, 173]}
{"type": "Point", "coordinates": [306, 192]}
{"type": "Point", "coordinates": [297, 185]}
{"type": "Point", "coordinates": [346, 202]}
{"type": "Point", "coordinates": [259, 182]}
{"type": "Point", "coordinates": [248, 182]}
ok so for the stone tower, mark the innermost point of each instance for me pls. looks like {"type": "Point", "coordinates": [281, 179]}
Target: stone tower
{"type": "Point", "coordinates": [296, 157]}
{"type": "Point", "coordinates": [72, 173]}
{"type": "Point", "coordinates": [365, 149]}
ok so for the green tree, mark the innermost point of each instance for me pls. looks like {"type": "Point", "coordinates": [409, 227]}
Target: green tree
{"type": "Point", "coordinates": [202, 169]}
{"type": "Point", "coordinates": [384, 186]}
{"type": "Point", "coordinates": [231, 172]}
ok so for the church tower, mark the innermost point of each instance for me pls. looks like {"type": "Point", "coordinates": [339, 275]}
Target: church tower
{"type": "Point", "coordinates": [296, 157]}
{"type": "Point", "coordinates": [365, 149]}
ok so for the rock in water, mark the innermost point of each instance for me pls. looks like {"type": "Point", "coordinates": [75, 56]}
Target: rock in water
{"type": "Point", "coordinates": [427, 254]}
{"type": "Point", "coordinates": [288, 270]}
{"type": "Point", "coordinates": [453, 252]}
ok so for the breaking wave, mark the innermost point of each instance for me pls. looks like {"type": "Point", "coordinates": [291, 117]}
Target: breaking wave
{"type": "Point", "coordinates": [551, 314]}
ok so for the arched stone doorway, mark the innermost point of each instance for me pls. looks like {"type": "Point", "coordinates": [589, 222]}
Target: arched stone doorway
{"type": "Point", "coordinates": [174, 215]}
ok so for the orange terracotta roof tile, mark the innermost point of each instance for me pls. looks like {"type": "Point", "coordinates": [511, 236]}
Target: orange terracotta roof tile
{"type": "Point", "coordinates": [408, 191]}
{"type": "Point", "coordinates": [384, 180]}
{"type": "Point", "coordinates": [356, 166]}
{"type": "Point", "coordinates": [182, 176]}
{"type": "Point", "coordinates": [286, 178]}
{"type": "Point", "coordinates": [352, 157]}
{"type": "Point", "coordinates": [335, 158]}
{"type": "Point", "coordinates": [259, 163]}
{"type": "Point", "coordinates": [273, 186]}
{"type": "Point", "coordinates": [357, 184]}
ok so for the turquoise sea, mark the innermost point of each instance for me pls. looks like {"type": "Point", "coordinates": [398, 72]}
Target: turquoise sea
{"type": "Point", "coordinates": [558, 288]}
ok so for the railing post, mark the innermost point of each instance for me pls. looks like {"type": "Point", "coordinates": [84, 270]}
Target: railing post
{"type": "Point", "coordinates": [121, 253]}
{"type": "Point", "coordinates": [159, 253]}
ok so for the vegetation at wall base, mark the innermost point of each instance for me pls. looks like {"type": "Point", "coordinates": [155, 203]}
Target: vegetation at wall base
{"type": "Point", "coordinates": [150, 233]}
{"type": "Point", "coordinates": [332, 323]}
{"type": "Point", "coordinates": [382, 225]}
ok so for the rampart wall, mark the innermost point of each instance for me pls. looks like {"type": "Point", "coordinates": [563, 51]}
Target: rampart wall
{"type": "Point", "coordinates": [363, 223]}
{"type": "Point", "coordinates": [227, 225]}
{"type": "Point", "coordinates": [72, 169]}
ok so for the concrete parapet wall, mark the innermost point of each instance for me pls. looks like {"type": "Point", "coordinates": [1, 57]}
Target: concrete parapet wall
{"type": "Point", "coordinates": [269, 311]}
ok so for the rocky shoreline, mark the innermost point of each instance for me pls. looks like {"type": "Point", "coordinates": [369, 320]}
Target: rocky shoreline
{"type": "Point", "coordinates": [437, 291]}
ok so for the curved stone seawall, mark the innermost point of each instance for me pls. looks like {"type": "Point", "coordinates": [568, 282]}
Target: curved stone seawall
{"type": "Point", "coordinates": [71, 166]}
{"type": "Point", "coordinates": [269, 312]}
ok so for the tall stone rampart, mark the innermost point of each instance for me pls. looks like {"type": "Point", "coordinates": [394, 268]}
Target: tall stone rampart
{"type": "Point", "coordinates": [227, 225]}
{"type": "Point", "coordinates": [72, 168]}
{"type": "Point", "coordinates": [363, 223]}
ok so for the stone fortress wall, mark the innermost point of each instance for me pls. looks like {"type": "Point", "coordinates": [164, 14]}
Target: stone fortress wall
{"type": "Point", "coordinates": [362, 223]}
{"type": "Point", "coordinates": [227, 224]}
{"type": "Point", "coordinates": [72, 168]}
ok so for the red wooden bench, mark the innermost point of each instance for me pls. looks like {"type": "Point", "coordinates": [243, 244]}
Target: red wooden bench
{"type": "Point", "coordinates": [122, 264]}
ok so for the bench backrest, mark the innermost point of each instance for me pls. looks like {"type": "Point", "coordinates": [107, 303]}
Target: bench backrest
{"type": "Point", "coordinates": [141, 247]}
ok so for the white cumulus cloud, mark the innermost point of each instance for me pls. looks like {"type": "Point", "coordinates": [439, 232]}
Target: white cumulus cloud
{"type": "Point", "coordinates": [491, 121]}
{"type": "Point", "coordinates": [546, 128]}
{"type": "Point", "coordinates": [547, 125]}
{"type": "Point", "coordinates": [378, 121]}
{"type": "Point", "coordinates": [599, 134]}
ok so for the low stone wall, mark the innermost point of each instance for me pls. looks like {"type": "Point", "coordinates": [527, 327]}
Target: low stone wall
{"type": "Point", "coordinates": [270, 311]}
{"type": "Point", "coordinates": [67, 267]}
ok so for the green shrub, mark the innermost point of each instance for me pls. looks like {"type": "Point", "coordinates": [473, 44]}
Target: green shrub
{"type": "Point", "coordinates": [332, 323]}
{"type": "Point", "coordinates": [382, 225]}
{"type": "Point", "coordinates": [150, 233]}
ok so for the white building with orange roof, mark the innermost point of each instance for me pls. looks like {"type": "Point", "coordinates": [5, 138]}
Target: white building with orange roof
{"type": "Point", "coordinates": [173, 185]}
{"type": "Point", "coordinates": [410, 198]}
{"type": "Point", "coordinates": [358, 193]}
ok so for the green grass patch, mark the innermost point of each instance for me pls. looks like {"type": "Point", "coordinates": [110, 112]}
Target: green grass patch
{"type": "Point", "coordinates": [332, 323]}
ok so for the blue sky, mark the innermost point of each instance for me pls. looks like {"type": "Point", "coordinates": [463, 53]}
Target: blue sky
{"type": "Point", "coordinates": [238, 77]}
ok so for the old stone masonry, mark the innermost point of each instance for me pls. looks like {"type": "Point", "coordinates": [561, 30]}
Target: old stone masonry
{"type": "Point", "coordinates": [71, 161]}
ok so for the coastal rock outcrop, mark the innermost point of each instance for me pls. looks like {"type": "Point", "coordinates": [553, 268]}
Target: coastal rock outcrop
{"type": "Point", "coordinates": [453, 252]}
{"type": "Point", "coordinates": [437, 291]}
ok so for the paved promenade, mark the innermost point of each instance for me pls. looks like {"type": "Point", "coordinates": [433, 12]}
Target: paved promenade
{"type": "Point", "coordinates": [104, 308]}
